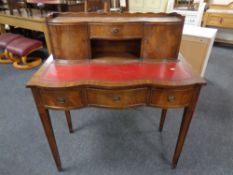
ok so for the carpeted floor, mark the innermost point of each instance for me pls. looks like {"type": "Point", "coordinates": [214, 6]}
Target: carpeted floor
{"type": "Point", "coordinates": [119, 142]}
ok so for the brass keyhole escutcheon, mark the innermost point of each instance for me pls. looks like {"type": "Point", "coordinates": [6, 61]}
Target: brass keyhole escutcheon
{"type": "Point", "coordinates": [116, 98]}
{"type": "Point", "coordinates": [61, 100]}
{"type": "Point", "coordinates": [115, 30]}
{"type": "Point", "coordinates": [171, 98]}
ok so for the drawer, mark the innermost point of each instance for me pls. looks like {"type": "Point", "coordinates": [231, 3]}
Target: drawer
{"type": "Point", "coordinates": [214, 20]}
{"type": "Point", "coordinates": [171, 98]}
{"type": "Point", "coordinates": [62, 98]}
{"type": "Point", "coordinates": [227, 21]}
{"type": "Point", "coordinates": [116, 31]}
{"type": "Point", "coordinates": [117, 98]}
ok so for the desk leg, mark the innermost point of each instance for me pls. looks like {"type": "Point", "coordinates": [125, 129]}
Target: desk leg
{"type": "Point", "coordinates": [69, 121]}
{"type": "Point", "coordinates": [162, 119]}
{"type": "Point", "coordinates": [47, 125]}
{"type": "Point", "coordinates": [186, 120]}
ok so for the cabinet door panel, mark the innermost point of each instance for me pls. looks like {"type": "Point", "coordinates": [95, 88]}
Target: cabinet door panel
{"type": "Point", "coordinates": [70, 41]}
{"type": "Point", "coordinates": [161, 41]}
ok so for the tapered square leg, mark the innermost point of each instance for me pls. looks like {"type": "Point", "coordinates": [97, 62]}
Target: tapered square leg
{"type": "Point", "coordinates": [187, 117]}
{"type": "Point", "coordinates": [162, 119]}
{"type": "Point", "coordinates": [69, 121]}
{"type": "Point", "coordinates": [48, 129]}
{"type": "Point", "coordinates": [186, 120]}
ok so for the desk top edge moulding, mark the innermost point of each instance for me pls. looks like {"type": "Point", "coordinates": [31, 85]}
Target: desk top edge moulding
{"type": "Point", "coordinates": [115, 60]}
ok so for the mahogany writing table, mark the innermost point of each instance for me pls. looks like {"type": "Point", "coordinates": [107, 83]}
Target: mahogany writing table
{"type": "Point", "coordinates": [113, 80]}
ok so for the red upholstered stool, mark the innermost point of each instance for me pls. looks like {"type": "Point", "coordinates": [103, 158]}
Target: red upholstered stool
{"type": "Point", "coordinates": [5, 39]}
{"type": "Point", "coordinates": [19, 50]}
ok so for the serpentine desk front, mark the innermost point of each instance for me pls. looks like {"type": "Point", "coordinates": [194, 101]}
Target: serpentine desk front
{"type": "Point", "coordinates": [66, 84]}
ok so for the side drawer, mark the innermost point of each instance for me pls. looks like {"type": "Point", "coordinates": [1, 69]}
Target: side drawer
{"type": "Point", "coordinates": [173, 98]}
{"type": "Point", "coordinates": [62, 98]}
{"type": "Point", "coordinates": [214, 20]}
{"type": "Point", "coordinates": [116, 31]}
{"type": "Point", "coordinates": [117, 98]}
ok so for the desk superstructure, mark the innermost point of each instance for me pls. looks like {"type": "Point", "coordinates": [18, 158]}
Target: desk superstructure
{"type": "Point", "coordinates": [115, 61]}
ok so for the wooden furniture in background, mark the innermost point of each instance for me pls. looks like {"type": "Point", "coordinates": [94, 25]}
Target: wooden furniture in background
{"type": "Point", "coordinates": [55, 5]}
{"type": "Point", "coordinates": [115, 61]}
{"type": "Point", "coordinates": [15, 4]}
{"type": "Point", "coordinates": [183, 3]}
{"type": "Point", "coordinates": [36, 23]}
{"type": "Point", "coordinates": [196, 46]}
{"type": "Point", "coordinates": [19, 50]}
{"type": "Point", "coordinates": [5, 39]}
{"type": "Point", "coordinates": [106, 6]}
{"type": "Point", "coordinates": [96, 5]}
{"type": "Point", "coordinates": [220, 16]}
{"type": "Point", "coordinates": [193, 12]}
{"type": "Point", "coordinates": [3, 6]}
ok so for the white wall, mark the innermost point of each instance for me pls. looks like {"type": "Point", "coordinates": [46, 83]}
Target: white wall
{"type": "Point", "coordinates": [220, 1]}
{"type": "Point", "coordinates": [147, 5]}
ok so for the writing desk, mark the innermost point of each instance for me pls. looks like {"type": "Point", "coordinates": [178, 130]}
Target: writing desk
{"type": "Point", "coordinates": [111, 80]}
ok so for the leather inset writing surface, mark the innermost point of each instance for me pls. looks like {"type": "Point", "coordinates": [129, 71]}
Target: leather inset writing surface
{"type": "Point", "coordinates": [115, 72]}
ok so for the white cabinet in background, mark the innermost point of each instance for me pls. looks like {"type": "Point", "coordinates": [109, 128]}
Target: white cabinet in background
{"type": "Point", "coordinates": [196, 46]}
{"type": "Point", "coordinates": [192, 17]}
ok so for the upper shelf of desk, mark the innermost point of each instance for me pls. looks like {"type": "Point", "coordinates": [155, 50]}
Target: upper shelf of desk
{"type": "Point", "coordinates": [118, 17]}
{"type": "Point", "coordinates": [80, 36]}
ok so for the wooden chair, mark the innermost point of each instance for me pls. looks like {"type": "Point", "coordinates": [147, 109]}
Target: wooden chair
{"type": "Point", "coordinates": [16, 4]}
{"type": "Point", "coordinates": [3, 6]}
{"type": "Point", "coordinates": [96, 5]}
{"type": "Point", "coordinates": [45, 5]}
{"type": "Point", "coordinates": [103, 5]}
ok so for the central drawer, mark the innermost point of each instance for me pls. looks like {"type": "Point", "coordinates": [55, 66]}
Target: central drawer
{"type": "Point", "coordinates": [117, 98]}
{"type": "Point", "coordinates": [70, 98]}
{"type": "Point", "coordinates": [116, 31]}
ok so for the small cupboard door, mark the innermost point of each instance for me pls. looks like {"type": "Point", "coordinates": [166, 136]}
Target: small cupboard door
{"type": "Point", "coordinates": [70, 42]}
{"type": "Point", "coordinates": [161, 41]}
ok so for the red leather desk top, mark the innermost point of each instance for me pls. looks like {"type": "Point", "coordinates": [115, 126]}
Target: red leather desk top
{"type": "Point", "coordinates": [59, 72]}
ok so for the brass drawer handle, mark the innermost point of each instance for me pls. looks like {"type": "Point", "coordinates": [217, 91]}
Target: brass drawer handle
{"type": "Point", "coordinates": [171, 98]}
{"type": "Point", "coordinates": [61, 100]}
{"type": "Point", "coordinates": [116, 98]}
{"type": "Point", "coordinates": [115, 30]}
